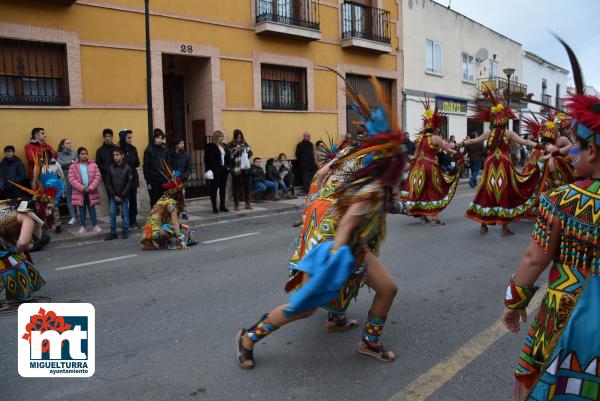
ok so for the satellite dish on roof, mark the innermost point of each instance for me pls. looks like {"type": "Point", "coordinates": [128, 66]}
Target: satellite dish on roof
{"type": "Point", "coordinates": [481, 55]}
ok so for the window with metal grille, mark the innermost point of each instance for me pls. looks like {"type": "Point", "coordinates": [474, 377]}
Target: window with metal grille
{"type": "Point", "coordinates": [33, 73]}
{"type": "Point", "coordinates": [362, 85]}
{"type": "Point", "coordinates": [283, 88]}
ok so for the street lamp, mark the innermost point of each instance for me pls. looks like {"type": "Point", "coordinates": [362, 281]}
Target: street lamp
{"type": "Point", "coordinates": [508, 72]}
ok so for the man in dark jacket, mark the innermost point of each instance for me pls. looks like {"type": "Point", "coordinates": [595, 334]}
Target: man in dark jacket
{"type": "Point", "coordinates": [305, 155]}
{"type": "Point", "coordinates": [11, 169]}
{"type": "Point", "coordinates": [132, 159]}
{"type": "Point", "coordinates": [104, 154]}
{"type": "Point", "coordinates": [153, 165]}
{"type": "Point", "coordinates": [475, 153]}
{"type": "Point", "coordinates": [118, 186]}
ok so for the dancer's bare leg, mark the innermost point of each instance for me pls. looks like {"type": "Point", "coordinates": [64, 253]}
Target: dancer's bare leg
{"type": "Point", "coordinates": [380, 280]}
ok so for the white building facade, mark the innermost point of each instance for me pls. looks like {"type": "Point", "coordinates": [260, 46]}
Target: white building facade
{"type": "Point", "coordinates": [547, 82]}
{"type": "Point", "coordinates": [447, 57]}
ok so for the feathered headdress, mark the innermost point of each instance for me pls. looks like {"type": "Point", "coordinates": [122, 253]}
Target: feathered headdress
{"type": "Point", "coordinates": [492, 108]}
{"type": "Point", "coordinates": [47, 188]}
{"type": "Point", "coordinates": [432, 118]}
{"type": "Point", "coordinates": [584, 109]}
{"type": "Point", "coordinates": [546, 128]}
{"type": "Point", "coordinates": [384, 142]}
{"type": "Point", "coordinates": [563, 121]}
{"type": "Point", "coordinates": [175, 182]}
{"type": "Point", "coordinates": [330, 149]}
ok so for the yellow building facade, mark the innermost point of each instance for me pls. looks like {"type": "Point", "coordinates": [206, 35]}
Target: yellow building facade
{"type": "Point", "coordinates": [263, 66]}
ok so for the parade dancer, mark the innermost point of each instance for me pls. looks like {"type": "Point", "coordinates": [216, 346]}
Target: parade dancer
{"type": "Point", "coordinates": [504, 194]}
{"type": "Point", "coordinates": [163, 229]}
{"type": "Point", "coordinates": [557, 170]}
{"type": "Point", "coordinates": [354, 233]}
{"type": "Point", "coordinates": [21, 222]}
{"type": "Point", "coordinates": [561, 355]}
{"type": "Point", "coordinates": [428, 189]}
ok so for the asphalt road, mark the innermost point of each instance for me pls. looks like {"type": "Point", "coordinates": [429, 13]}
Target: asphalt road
{"type": "Point", "coordinates": [165, 321]}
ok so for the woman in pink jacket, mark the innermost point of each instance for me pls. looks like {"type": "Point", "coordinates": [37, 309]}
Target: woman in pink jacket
{"type": "Point", "coordinates": [85, 178]}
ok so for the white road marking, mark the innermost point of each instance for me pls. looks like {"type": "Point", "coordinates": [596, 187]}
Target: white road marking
{"type": "Point", "coordinates": [429, 382]}
{"type": "Point", "coordinates": [96, 262]}
{"type": "Point", "coordinates": [228, 238]}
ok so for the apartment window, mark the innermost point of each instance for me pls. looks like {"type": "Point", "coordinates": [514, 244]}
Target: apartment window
{"type": "Point", "coordinates": [283, 88]}
{"type": "Point", "coordinates": [433, 57]}
{"type": "Point", "coordinates": [558, 103]}
{"type": "Point", "coordinates": [468, 67]}
{"type": "Point", "coordinates": [362, 85]}
{"type": "Point", "coordinates": [493, 69]}
{"type": "Point", "coordinates": [33, 73]}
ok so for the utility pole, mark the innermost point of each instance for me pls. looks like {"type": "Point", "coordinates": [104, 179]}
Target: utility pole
{"type": "Point", "coordinates": [148, 73]}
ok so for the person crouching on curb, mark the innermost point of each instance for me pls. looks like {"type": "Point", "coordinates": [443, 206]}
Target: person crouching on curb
{"type": "Point", "coordinates": [118, 186]}
{"type": "Point", "coordinates": [163, 229]}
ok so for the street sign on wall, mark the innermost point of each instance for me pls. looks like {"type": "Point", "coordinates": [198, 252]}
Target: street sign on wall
{"type": "Point", "coordinates": [450, 105]}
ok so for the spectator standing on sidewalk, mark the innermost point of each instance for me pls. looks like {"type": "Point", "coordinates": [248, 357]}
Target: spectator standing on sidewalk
{"type": "Point", "coordinates": [475, 153]}
{"type": "Point", "coordinates": [286, 172]}
{"type": "Point", "coordinates": [105, 152]}
{"type": "Point", "coordinates": [65, 158]}
{"type": "Point", "coordinates": [35, 150]}
{"type": "Point", "coordinates": [132, 159]}
{"type": "Point", "coordinates": [305, 154]}
{"type": "Point", "coordinates": [118, 186]}
{"type": "Point", "coordinates": [260, 184]}
{"type": "Point", "coordinates": [180, 160]}
{"type": "Point", "coordinates": [84, 176]}
{"type": "Point", "coordinates": [154, 155]}
{"type": "Point", "coordinates": [240, 153]}
{"type": "Point", "coordinates": [11, 169]}
{"type": "Point", "coordinates": [217, 162]}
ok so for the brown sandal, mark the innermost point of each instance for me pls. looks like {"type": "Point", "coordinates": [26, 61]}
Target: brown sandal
{"type": "Point", "coordinates": [483, 230]}
{"type": "Point", "coordinates": [245, 356]}
{"type": "Point", "coordinates": [376, 351]}
{"type": "Point", "coordinates": [425, 220]}
{"type": "Point", "coordinates": [437, 222]}
{"type": "Point", "coordinates": [340, 325]}
{"type": "Point", "coordinates": [507, 231]}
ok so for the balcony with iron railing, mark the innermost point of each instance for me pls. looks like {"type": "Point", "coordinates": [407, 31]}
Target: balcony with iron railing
{"type": "Point", "coordinates": [292, 18]}
{"type": "Point", "coordinates": [518, 91]}
{"type": "Point", "coordinates": [366, 28]}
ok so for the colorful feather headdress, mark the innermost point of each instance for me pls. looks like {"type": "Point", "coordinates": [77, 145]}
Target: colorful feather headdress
{"type": "Point", "coordinates": [584, 109]}
{"type": "Point", "coordinates": [330, 148]}
{"type": "Point", "coordinates": [384, 141]}
{"type": "Point", "coordinates": [545, 128]}
{"type": "Point", "coordinates": [492, 108]}
{"type": "Point", "coordinates": [563, 121]}
{"type": "Point", "coordinates": [432, 118]}
{"type": "Point", "coordinates": [47, 188]}
{"type": "Point", "coordinates": [175, 182]}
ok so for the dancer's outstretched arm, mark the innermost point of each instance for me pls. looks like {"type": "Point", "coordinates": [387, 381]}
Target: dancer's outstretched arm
{"type": "Point", "coordinates": [533, 262]}
{"type": "Point", "coordinates": [513, 136]}
{"type": "Point", "coordinates": [444, 145]}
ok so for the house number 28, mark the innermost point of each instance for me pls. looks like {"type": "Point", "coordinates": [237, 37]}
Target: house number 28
{"type": "Point", "coordinates": [187, 49]}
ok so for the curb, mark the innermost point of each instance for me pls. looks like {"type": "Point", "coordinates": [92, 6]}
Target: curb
{"type": "Point", "coordinates": [198, 222]}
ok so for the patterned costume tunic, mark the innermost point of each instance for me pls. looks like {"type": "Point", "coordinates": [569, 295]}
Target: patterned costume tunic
{"type": "Point", "coordinates": [17, 273]}
{"type": "Point", "coordinates": [561, 355]}
{"type": "Point", "coordinates": [504, 194]}
{"type": "Point", "coordinates": [151, 238]}
{"type": "Point", "coordinates": [428, 189]}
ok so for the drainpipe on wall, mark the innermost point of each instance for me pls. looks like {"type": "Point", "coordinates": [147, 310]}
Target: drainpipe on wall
{"type": "Point", "coordinates": [403, 110]}
{"type": "Point", "coordinates": [148, 73]}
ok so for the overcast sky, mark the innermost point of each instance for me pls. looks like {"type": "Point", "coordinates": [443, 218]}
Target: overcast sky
{"type": "Point", "coordinates": [530, 22]}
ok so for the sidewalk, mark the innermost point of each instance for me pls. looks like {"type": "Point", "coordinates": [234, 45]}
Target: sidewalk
{"type": "Point", "coordinates": [199, 212]}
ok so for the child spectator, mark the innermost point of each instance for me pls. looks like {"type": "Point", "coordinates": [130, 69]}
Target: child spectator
{"type": "Point", "coordinates": [118, 186]}
{"type": "Point", "coordinates": [11, 169]}
{"type": "Point", "coordinates": [272, 175]}
{"type": "Point", "coordinates": [260, 184]}
{"type": "Point", "coordinates": [66, 157]}
{"type": "Point", "coordinates": [84, 177]}
{"type": "Point", "coordinates": [286, 173]}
